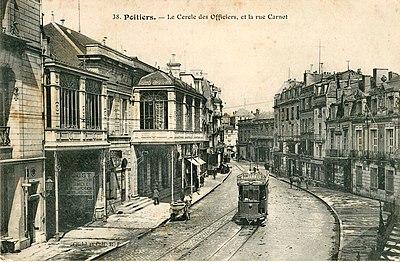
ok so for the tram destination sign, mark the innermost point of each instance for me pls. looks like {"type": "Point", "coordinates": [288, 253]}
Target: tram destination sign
{"type": "Point", "coordinates": [252, 176]}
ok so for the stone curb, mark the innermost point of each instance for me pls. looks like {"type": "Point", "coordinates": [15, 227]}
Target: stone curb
{"type": "Point", "coordinates": [330, 208]}
{"type": "Point", "coordinates": [93, 257]}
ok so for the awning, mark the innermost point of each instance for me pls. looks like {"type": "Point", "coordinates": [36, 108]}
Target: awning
{"type": "Point", "coordinates": [196, 161]}
{"type": "Point", "coordinates": [200, 161]}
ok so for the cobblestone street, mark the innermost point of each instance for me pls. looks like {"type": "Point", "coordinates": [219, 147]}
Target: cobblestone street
{"type": "Point", "coordinates": [297, 222]}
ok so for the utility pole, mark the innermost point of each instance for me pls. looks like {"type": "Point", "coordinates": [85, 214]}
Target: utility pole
{"type": "Point", "coordinates": [79, 16]}
{"type": "Point", "coordinates": [319, 57]}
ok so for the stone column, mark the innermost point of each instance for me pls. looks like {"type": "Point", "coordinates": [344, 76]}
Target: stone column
{"type": "Point", "coordinates": [136, 111]}
{"type": "Point", "coordinates": [171, 110]}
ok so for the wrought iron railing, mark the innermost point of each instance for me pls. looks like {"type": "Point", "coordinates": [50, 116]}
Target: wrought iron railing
{"type": "Point", "coordinates": [4, 135]}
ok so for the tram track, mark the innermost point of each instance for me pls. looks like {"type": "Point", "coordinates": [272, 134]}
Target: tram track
{"type": "Point", "coordinates": [232, 245]}
{"type": "Point", "coordinates": [180, 250]}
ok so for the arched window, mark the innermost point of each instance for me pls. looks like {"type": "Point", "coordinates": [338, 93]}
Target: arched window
{"type": "Point", "coordinates": [7, 82]}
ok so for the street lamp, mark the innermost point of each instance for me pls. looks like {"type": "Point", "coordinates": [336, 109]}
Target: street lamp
{"type": "Point", "coordinates": [367, 122]}
{"type": "Point", "coordinates": [49, 186]}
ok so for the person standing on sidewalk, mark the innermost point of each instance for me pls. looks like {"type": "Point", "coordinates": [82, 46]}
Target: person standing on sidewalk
{"type": "Point", "coordinates": [156, 196]}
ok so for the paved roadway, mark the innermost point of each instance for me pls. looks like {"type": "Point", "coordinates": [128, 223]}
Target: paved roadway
{"type": "Point", "coordinates": [299, 227]}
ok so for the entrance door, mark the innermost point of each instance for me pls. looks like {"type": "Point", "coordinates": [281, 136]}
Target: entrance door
{"type": "Point", "coordinates": [33, 202]}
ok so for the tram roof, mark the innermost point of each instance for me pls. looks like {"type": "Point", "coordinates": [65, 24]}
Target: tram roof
{"type": "Point", "coordinates": [253, 178]}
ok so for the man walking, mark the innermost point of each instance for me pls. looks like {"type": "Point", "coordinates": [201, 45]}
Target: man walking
{"type": "Point", "coordinates": [156, 196]}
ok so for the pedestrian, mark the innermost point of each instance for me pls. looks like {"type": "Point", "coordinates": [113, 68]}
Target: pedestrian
{"type": "Point", "coordinates": [202, 181]}
{"type": "Point", "coordinates": [156, 196]}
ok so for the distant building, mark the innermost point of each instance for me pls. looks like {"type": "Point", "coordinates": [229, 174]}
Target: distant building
{"type": "Point", "coordinates": [349, 131]}
{"type": "Point", "coordinates": [255, 138]}
{"type": "Point", "coordinates": [287, 128]}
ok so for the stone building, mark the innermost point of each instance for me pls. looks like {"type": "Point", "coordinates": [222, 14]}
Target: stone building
{"type": "Point", "coordinates": [366, 121]}
{"type": "Point", "coordinates": [255, 136]}
{"type": "Point", "coordinates": [22, 176]}
{"type": "Point", "coordinates": [349, 126]}
{"type": "Point", "coordinates": [88, 88]}
{"type": "Point", "coordinates": [287, 128]}
{"type": "Point", "coordinates": [167, 134]}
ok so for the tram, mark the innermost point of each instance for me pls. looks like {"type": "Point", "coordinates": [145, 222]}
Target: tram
{"type": "Point", "coordinates": [253, 197]}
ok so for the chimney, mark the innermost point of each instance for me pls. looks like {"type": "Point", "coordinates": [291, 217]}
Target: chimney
{"type": "Point", "coordinates": [62, 21]}
{"type": "Point", "coordinates": [378, 73]}
{"type": "Point", "coordinates": [174, 67]}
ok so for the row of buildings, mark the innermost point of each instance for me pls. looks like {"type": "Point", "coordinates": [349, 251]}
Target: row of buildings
{"type": "Point", "coordinates": [84, 127]}
{"type": "Point", "coordinates": [341, 130]}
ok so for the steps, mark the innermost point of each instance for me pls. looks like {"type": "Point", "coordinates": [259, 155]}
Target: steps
{"type": "Point", "coordinates": [391, 251]}
{"type": "Point", "coordinates": [134, 205]}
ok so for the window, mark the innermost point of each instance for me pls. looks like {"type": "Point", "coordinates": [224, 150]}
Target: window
{"type": "Point", "coordinates": [389, 140]}
{"type": "Point", "coordinates": [374, 177]}
{"type": "Point", "coordinates": [358, 175]}
{"type": "Point", "coordinates": [93, 104]}
{"type": "Point", "coordinates": [374, 106]}
{"type": "Point", "coordinates": [287, 113]}
{"type": "Point", "coordinates": [179, 111]}
{"type": "Point", "coordinates": [197, 115]}
{"type": "Point", "coordinates": [374, 140]}
{"type": "Point", "coordinates": [345, 138]}
{"type": "Point", "coordinates": [69, 100]}
{"type": "Point", "coordinates": [189, 111]}
{"type": "Point", "coordinates": [390, 104]}
{"type": "Point", "coordinates": [381, 178]}
{"type": "Point", "coordinates": [154, 110]}
{"type": "Point", "coordinates": [6, 78]}
{"type": "Point", "coordinates": [389, 181]}
{"type": "Point", "coordinates": [359, 140]}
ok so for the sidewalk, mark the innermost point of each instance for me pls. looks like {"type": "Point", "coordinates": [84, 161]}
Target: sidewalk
{"type": "Point", "coordinates": [358, 219]}
{"type": "Point", "coordinates": [137, 218]}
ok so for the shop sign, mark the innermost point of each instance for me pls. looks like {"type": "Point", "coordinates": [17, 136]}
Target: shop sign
{"type": "Point", "coordinates": [80, 183]}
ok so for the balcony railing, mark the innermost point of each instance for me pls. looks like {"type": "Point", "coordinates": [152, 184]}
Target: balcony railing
{"type": "Point", "coordinates": [74, 135]}
{"type": "Point", "coordinates": [4, 135]}
{"type": "Point", "coordinates": [337, 153]}
{"type": "Point", "coordinates": [318, 137]}
{"type": "Point", "coordinates": [376, 155]}
{"type": "Point", "coordinates": [167, 136]}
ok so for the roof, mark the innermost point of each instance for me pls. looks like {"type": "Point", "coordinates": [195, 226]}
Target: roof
{"type": "Point", "coordinates": [288, 84]}
{"type": "Point", "coordinates": [60, 48]}
{"type": "Point", "coordinates": [160, 78]}
{"type": "Point", "coordinates": [264, 115]}
{"type": "Point", "coordinates": [243, 113]}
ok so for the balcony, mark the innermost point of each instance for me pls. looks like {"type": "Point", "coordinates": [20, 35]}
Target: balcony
{"type": "Point", "coordinates": [337, 153]}
{"type": "Point", "coordinates": [375, 155]}
{"type": "Point", "coordinates": [319, 138]}
{"type": "Point", "coordinates": [4, 136]}
{"type": "Point", "coordinates": [166, 136]}
{"type": "Point", "coordinates": [5, 148]}
{"type": "Point", "coordinates": [76, 138]}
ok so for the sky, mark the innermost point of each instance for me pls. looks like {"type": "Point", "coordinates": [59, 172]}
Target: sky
{"type": "Point", "coordinates": [249, 59]}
